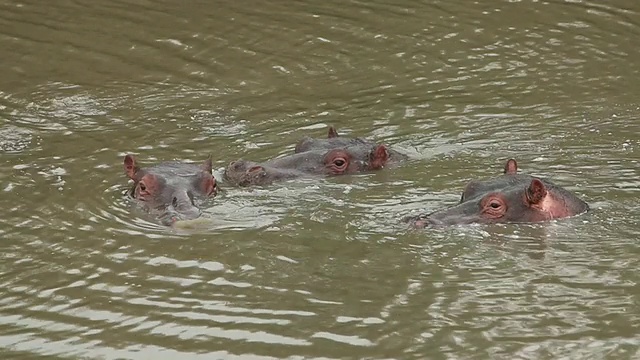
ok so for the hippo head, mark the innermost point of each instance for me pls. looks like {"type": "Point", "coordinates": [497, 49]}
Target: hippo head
{"type": "Point", "coordinates": [333, 141]}
{"type": "Point", "coordinates": [169, 190]}
{"type": "Point", "coordinates": [510, 198]}
{"type": "Point", "coordinates": [322, 162]}
{"type": "Point", "coordinates": [353, 144]}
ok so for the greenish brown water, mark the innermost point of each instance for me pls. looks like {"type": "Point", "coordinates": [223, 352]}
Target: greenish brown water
{"type": "Point", "coordinates": [317, 269]}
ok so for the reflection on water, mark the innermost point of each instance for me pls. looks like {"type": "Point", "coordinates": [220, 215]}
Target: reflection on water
{"type": "Point", "coordinates": [317, 268]}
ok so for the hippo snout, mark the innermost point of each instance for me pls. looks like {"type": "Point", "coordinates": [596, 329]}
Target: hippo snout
{"type": "Point", "coordinates": [182, 207]}
{"type": "Point", "coordinates": [427, 222]}
{"type": "Point", "coordinates": [421, 222]}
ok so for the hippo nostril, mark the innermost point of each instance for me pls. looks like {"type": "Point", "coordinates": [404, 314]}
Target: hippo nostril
{"type": "Point", "coordinates": [174, 202]}
{"type": "Point", "coordinates": [420, 223]}
{"type": "Point", "coordinates": [432, 222]}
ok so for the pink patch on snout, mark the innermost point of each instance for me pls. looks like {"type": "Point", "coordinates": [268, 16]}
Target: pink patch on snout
{"type": "Point", "coordinates": [420, 224]}
{"type": "Point", "coordinates": [554, 208]}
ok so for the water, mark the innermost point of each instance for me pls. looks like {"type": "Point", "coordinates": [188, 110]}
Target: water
{"type": "Point", "coordinates": [318, 268]}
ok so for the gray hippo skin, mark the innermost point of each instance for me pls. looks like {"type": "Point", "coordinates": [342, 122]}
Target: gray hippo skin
{"type": "Point", "coordinates": [313, 162]}
{"type": "Point", "coordinates": [169, 190]}
{"type": "Point", "coordinates": [509, 198]}
{"type": "Point", "coordinates": [335, 141]}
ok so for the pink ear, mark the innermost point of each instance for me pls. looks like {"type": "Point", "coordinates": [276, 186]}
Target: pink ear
{"type": "Point", "coordinates": [332, 132]}
{"type": "Point", "coordinates": [210, 186]}
{"type": "Point", "coordinates": [536, 192]}
{"type": "Point", "coordinates": [511, 168]}
{"type": "Point", "coordinates": [130, 167]}
{"type": "Point", "coordinates": [378, 157]}
{"type": "Point", "coordinates": [207, 165]}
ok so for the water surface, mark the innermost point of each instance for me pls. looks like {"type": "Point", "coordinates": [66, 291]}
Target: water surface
{"type": "Point", "coordinates": [317, 268]}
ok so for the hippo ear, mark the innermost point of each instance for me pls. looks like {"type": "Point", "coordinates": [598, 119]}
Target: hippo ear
{"type": "Point", "coordinates": [210, 186]}
{"type": "Point", "coordinates": [378, 157]}
{"type": "Point", "coordinates": [130, 167]}
{"type": "Point", "coordinates": [332, 132]}
{"type": "Point", "coordinates": [207, 165]}
{"type": "Point", "coordinates": [536, 192]}
{"type": "Point", "coordinates": [511, 168]}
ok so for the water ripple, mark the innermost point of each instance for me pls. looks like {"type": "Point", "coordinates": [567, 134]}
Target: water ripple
{"type": "Point", "coordinates": [316, 268]}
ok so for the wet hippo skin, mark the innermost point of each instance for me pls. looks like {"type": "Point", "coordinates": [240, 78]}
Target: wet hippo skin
{"type": "Point", "coordinates": [335, 141]}
{"type": "Point", "coordinates": [309, 163]}
{"type": "Point", "coordinates": [509, 198]}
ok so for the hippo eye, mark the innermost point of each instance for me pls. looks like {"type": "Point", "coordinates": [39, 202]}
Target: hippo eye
{"type": "Point", "coordinates": [143, 190]}
{"type": "Point", "coordinates": [494, 206]}
{"type": "Point", "coordinates": [337, 161]}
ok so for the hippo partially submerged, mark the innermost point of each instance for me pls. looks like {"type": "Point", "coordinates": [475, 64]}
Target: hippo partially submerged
{"type": "Point", "coordinates": [169, 190]}
{"type": "Point", "coordinates": [313, 162]}
{"type": "Point", "coordinates": [510, 198]}
{"type": "Point", "coordinates": [335, 141]}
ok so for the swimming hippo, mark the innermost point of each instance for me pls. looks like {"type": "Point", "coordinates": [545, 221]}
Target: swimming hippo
{"type": "Point", "coordinates": [169, 190]}
{"type": "Point", "coordinates": [510, 198]}
{"type": "Point", "coordinates": [335, 141]}
{"type": "Point", "coordinates": [312, 162]}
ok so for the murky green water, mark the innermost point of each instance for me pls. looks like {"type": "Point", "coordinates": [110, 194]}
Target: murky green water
{"type": "Point", "coordinates": [317, 269]}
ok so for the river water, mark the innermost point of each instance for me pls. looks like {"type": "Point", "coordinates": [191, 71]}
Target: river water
{"type": "Point", "coordinates": [317, 268]}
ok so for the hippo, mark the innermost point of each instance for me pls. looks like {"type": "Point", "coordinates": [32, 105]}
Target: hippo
{"type": "Point", "coordinates": [335, 141]}
{"type": "Point", "coordinates": [169, 189]}
{"type": "Point", "coordinates": [510, 198]}
{"type": "Point", "coordinates": [313, 162]}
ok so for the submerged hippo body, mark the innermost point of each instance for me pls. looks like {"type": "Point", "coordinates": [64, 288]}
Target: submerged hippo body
{"type": "Point", "coordinates": [312, 162]}
{"type": "Point", "coordinates": [510, 198]}
{"type": "Point", "coordinates": [169, 190]}
{"type": "Point", "coordinates": [335, 141]}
